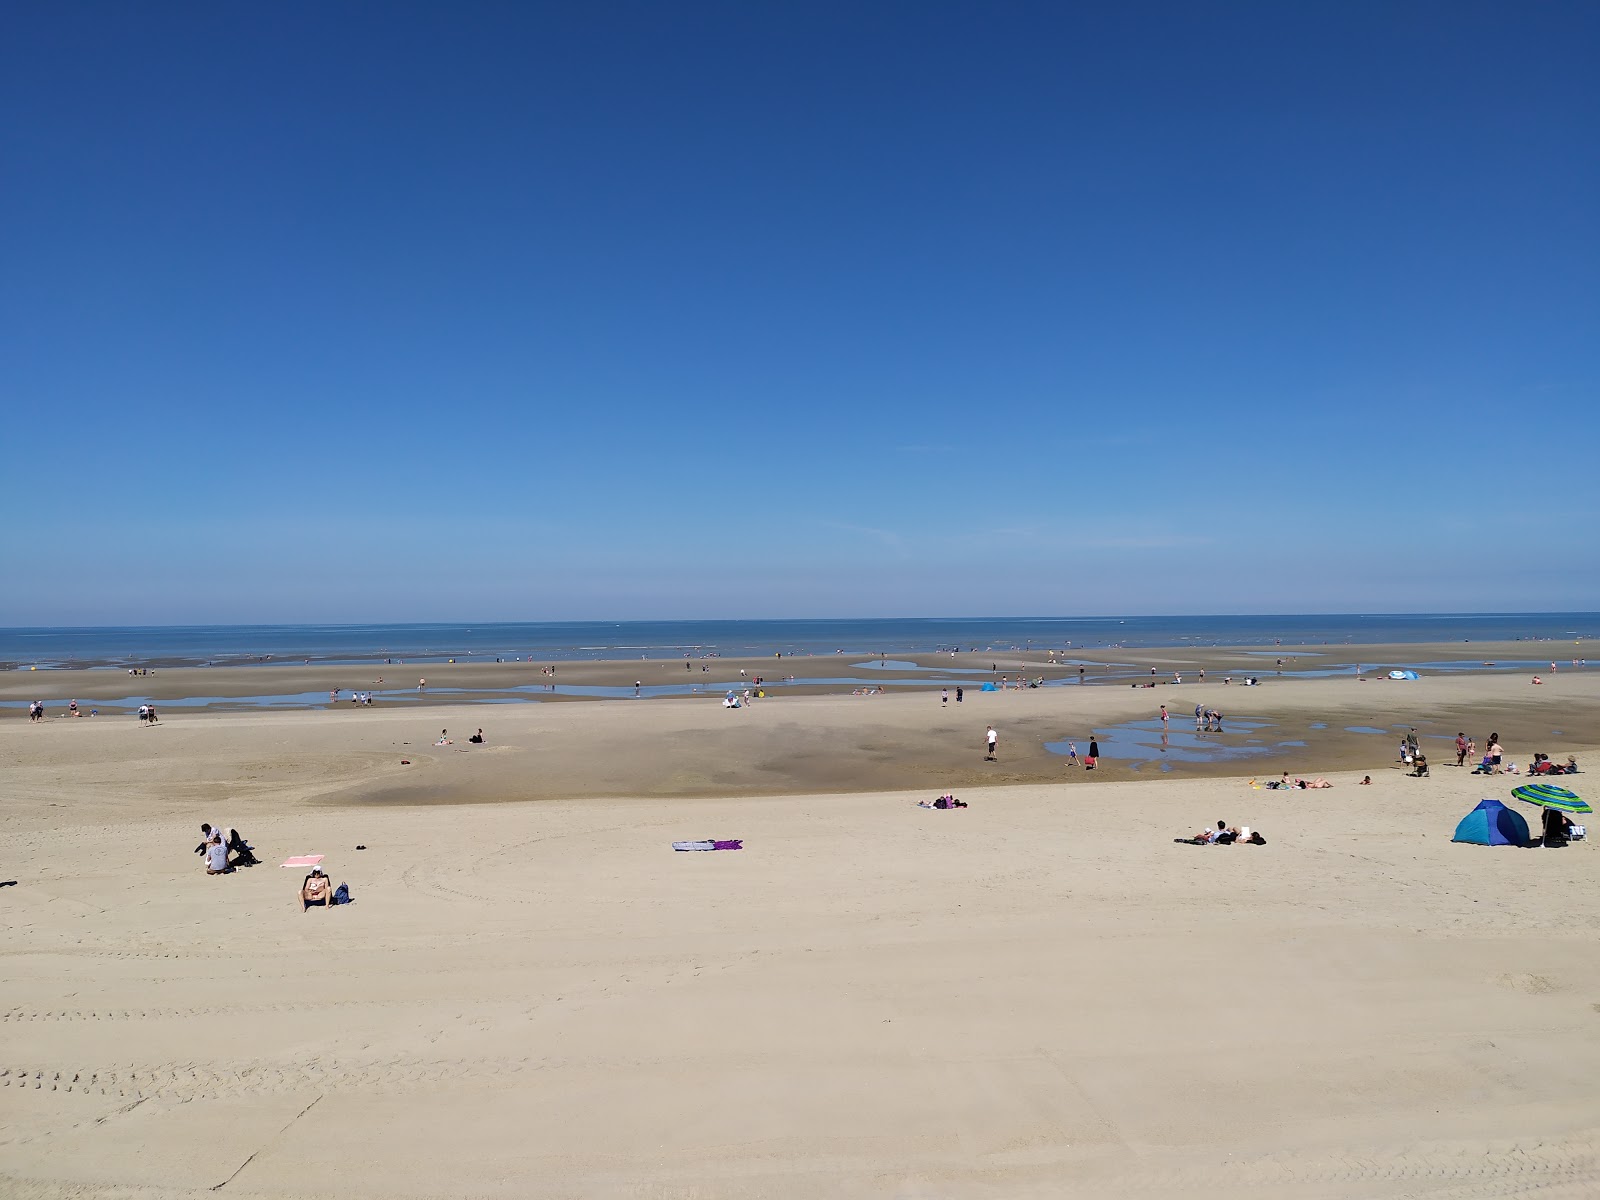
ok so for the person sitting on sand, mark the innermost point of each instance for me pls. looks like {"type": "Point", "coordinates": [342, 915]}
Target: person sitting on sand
{"type": "Point", "coordinates": [477, 738]}
{"type": "Point", "coordinates": [1365, 780]}
{"type": "Point", "coordinates": [216, 856]}
{"type": "Point", "coordinates": [316, 890]}
{"type": "Point", "coordinates": [1536, 679]}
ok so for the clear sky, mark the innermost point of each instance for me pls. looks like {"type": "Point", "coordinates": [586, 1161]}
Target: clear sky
{"type": "Point", "coordinates": [388, 311]}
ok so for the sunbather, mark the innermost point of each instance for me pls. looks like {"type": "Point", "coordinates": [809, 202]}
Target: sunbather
{"type": "Point", "coordinates": [316, 890]}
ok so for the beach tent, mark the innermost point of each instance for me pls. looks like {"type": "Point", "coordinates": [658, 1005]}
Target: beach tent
{"type": "Point", "coordinates": [1492, 824]}
{"type": "Point", "coordinates": [1403, 675]}
{"type": "Point", "coordinates": [989, 687]}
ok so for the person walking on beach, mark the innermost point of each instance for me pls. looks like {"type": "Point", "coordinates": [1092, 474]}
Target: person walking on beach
{"type": "Point", "coordinates": [1163, 717]}
{"type": "Point", "coordinates": [944, 698]}
{"type": "Point", "coordinates": [1461, 749]}
{"type": "Point", "coordinates": [992, 741]}
{"type": "Point", "coordinates": [1072, 753]}
{"type": "Point", "coordinates": [959, 694]}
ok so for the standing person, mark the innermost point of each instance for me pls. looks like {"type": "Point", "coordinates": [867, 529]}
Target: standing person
{"type": "Point", "coordinates": [944, 697]}
{"type": "Point", "coordinates": [1094, 747]}
{"type": "Point", "coordinates": [151, 715]}
{"type": "Point", "coordinates": [638, 686]}
{"type": "Point", "coordinates": [1072, 753]}
{"type": "Point", "coordinates": [992, 740]}
{"type": "Point", "coordinates": [1199, 717]}
{"type": "Point", "coordinates": [1202, 674]}
{"type": "Point", "coordinates": [1472, 747]}
{"type": "Point", "coordinates": [1496, 752]}
{"type": "Point", "coordinates": [959, 694]}
{"type": "Point", "coordinates": [1164, 717]}
{"type": "Point", "coordinates": [1080, 675]}
{"type": "Point", "coordinates": [1461, 749]}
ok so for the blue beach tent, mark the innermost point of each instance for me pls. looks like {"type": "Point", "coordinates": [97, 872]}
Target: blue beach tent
{"type": "Point", "coordinates": [1403, 675]}
{"type": "Point", "coordinates": [989, 687]}
{"type": "Point", "coordinates": [1492, 824]}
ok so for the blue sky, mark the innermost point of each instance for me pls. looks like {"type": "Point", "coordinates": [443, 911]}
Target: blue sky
{"type": "Point", "coordinates": [513, 311]}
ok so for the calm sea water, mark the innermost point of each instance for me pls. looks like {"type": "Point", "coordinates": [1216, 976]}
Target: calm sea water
{"type": "Point", "coordinates": [565, 640]}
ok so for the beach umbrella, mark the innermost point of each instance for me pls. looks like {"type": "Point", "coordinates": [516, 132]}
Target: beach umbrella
{"type": "Point", "coordinates": [1548, 795]}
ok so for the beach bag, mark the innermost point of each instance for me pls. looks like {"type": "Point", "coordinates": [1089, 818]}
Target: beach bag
{"type": "Point", "coordinates": [341, 894]}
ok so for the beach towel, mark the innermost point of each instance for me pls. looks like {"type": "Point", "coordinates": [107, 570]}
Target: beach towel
{"type": "Point", "coordinates": [302, 860]}
{"type": "Point", "coordinates": [709, 844]}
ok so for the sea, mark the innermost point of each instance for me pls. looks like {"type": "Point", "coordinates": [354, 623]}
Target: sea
{"type": "Point", "coordinates": [554, 641]}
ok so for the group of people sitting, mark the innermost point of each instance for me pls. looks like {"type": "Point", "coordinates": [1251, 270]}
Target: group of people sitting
{"type": "Point", "coordinates": [945, 801]}
{"type": "Point", "coordinates": [1542, 765]}
{"type": "Point", "coordinates": [1225, 835]}
{"type": "Point", "coordinates": [218, 843]}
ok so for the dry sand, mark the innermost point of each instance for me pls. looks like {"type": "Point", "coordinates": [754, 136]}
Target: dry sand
{"type": "Point", "coordinates": [1041, 995]}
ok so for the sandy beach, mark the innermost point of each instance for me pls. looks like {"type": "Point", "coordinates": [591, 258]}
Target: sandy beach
{"type": "Point", "coordinates": [1040, 995]}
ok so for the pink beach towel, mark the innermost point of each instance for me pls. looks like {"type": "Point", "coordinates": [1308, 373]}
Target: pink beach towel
{"type": "Point", "coordinates": [302, 860]}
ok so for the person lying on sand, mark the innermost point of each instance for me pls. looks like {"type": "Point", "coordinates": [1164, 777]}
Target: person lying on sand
{"type": "Point", "coordinates": [1220, 836]}
{"type": "Point", "coordinates": [942, 802]}
{"type": "Point", "coordinates": [316, 890]}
